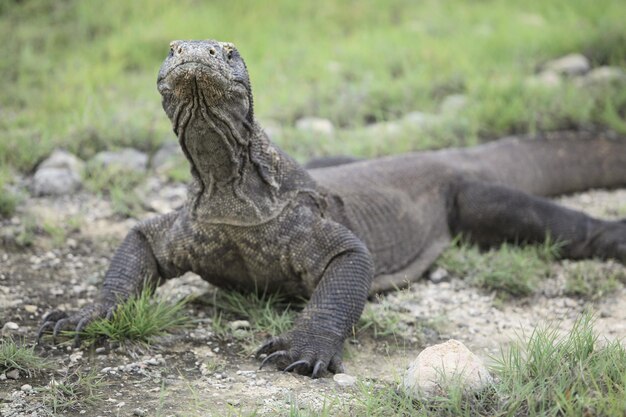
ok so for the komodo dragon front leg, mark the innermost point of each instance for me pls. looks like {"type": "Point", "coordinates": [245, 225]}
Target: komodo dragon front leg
{"type": "Point", "coordinates": [141, 260]}
{"type": "Point", "coordinates": [491, 214]}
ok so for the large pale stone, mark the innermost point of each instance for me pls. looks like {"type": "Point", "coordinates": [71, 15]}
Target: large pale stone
{"type": "Point", "coordinates": [59, 174]}
{"type": "Point", "coordinates": [572, 64]}
{"type": "Point", "coordinates": [128, 159]}
{"type": "Point", "coordinates": [440, 365]}
{"type": "Point", "coordinates": [315, 125]}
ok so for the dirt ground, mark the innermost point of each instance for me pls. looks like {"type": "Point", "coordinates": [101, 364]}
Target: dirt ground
{"type": "Point", "coordinates": [192, 372]}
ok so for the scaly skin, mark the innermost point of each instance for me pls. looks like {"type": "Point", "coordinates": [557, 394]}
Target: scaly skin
{"type": "Point", "coordinates": [257, 221]}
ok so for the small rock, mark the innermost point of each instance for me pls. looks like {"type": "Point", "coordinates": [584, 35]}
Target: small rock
{"type": "Point", "coordinates": [26, 388]}
{"type": "Point", "coordinates": [548, 79]}
{"type": "Point", "coordinates": [572, 64]}
{"type": "Point", "coordinates": [13, 374]}
{"type": "Point", "coordinates": [235, 402]}
{"type": "Point", "coordinates": [3, 377]}
{"type": "Point", "coordinates": [438, 275]}
{"type": "Point", "coordinates": [344, 380]}
{"type": "Point", "coordinates": [315, 125]}
{"type": "Point", "coordinates": [59, 174]}
{"type": "Point", "coordinates": [604, 75]}
{"type": "Point", "coordinates": [9, 327]}
{"type": "Point", "coordinates": [453, 103]}
{"type": "Point", "coordinates": [127, 159]}
{"type": "Point", "coordinates": [101, 350]}
{"type": "Point", "coordinates": [239, 324]}
{"type": "Point", "coordinates": [438, 365]}
{"type": "Point", "coordinates": [140, 412]}
{"type": "Point", "coordinates": [29, 308]}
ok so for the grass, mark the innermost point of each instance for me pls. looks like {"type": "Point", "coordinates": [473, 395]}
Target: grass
{"type": "Point", "coordinates": [139, 319]}
{"type": "Point", "coordinates": [82, 75]}
{"type": "Point", "coordinates": [592, 280]}
{"type": "Point", "coordinates": [76, 390]}
{"type": "Point", "coordinates": [120, 186]}
{"type": "Point", "coordinates": [20, 357]}
{"type": "Point", "coordinates": [508, 270]}
{"type": "Point", "coordinates": [551, 373]}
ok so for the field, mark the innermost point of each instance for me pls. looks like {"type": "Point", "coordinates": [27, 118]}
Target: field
{"type": "Point", "coordinates": [390, 76]}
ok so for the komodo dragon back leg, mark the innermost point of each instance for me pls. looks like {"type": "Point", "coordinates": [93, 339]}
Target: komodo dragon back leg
{"type": "Point", "coordinates": [491, 214]}
{"type": "Point", "coordinates": [133, 266]}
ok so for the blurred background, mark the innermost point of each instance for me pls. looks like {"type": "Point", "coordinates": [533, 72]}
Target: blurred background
{"type": "Point", "coordinates": [378, 76]}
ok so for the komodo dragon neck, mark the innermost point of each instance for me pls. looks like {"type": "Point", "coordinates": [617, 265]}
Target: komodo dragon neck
{"type": "Point", "coordinates": [239, 176]}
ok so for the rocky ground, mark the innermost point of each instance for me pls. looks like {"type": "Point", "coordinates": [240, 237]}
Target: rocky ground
{"type": "Point", "coordinates": [55, 249]}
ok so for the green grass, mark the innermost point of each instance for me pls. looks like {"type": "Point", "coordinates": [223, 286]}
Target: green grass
{"type": "Point", "coordinates": [268, 315]}
{"type": "Point", "coordinates": [551, 373]}
{"type": "Point", "coordinates": [592, 280]}
{"type": "Point", "coordinates": [508, 270]}
{"type": "Point", "coordinates": [139, 319]}
{"type": "Point", "coordinates": [82, 75]}
{"type": "Point", "coordinates": [21, 357]}
{"type": "Point", "coordinates": [75, 390]}
{"type": "Point", "coordinates": [119, 185]}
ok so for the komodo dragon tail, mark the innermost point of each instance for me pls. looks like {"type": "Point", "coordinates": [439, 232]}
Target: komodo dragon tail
{"type": "Point", "coordinates": [551, 164]}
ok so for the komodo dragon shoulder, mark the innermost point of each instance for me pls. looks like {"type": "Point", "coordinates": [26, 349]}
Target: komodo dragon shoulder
{"type": "Point", "coordinates": [257, 220]}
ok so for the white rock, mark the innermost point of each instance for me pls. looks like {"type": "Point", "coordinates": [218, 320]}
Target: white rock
{"type": "Point", "coordinates": [604, 75]}
{"type": "Point", "coordinates": [572, 64]}
{"type": "Point", "coordinates": [26, 388]}
{"type": "Point", "coordinates": [13, 374]}
{"type": "Point", "coordinates": [453, 103]}
{"type": "Point", "coordinates": [316, 125]}
{"type": "Point", "coordinates": [239, 324]}
{"type": "Point", "coordinates": [438, 275]}
{"type": "Point", "coordinates": [344, 380]}
{"type": "Point", "coordinates": [59, 174]}
{"type": "Point", "coordinates": [8, 327]}
{"type": "Point", "coordinates": [439, 365]}
{"type": "Point", "coordinates": [127, 159]}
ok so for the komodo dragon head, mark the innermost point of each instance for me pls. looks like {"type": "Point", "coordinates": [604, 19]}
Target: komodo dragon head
{"type": "Point", "coordinates": [205, 74]}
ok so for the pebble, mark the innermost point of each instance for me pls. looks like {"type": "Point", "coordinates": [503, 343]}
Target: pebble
{"type": "Point", "coordinates": [315, 125]}
{"type": "Point", "coordinates": [26, 388]}
{"type": "Point", "coordinates": [140, 412]}
{"type": "Point", "coordinates": [572, 64]}
{"type": "Point", "coordinates": [344, 380]}
{"type": "Point", "coordinates": [127, 159]}
{"type": "Point", "coordinates": [13, 374]}
{"type": "Point", "coordinates": [239, 324]}
{"type": "Point", "coordinates": [8, 327]}
{"type": "Point", "coordinates": [438, 275]}
{"type": "Point", "coordinates": [29, 308]}
{"type": "Point", "coordinates": [59, 174]}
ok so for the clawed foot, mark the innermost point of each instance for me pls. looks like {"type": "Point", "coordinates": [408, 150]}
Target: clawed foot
{"type": "Point", "coordinates": [303, 353]}
{"type": "Point", "coordinates": [57, 321]}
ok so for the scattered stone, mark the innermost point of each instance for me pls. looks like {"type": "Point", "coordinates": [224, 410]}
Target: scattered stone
{"type": "Point", "coordinates": [438, 365]}
{"type": "Point", "coordinates": [140, 412]}
{"type": "Point", "coordinates": [29, 308]}
{"type": "Point", "coordinates": [60, 174]}
{"type": "Point", "coordinates": [344, 380]}
{"type": "Point", "coordinates": [127, 159]}
{"type": "Point", "coordinates": [3, 377]}
{"type": "Point", "coordinates": [438, 275]}
{"type": "Point", "coordinates": [239, 324]}
{"type": "Point", "coordinates": [315, 125]}
{"type": "Point", "coordinates": [548, 79]}
{"type": "Point", "coordinates": [26, 388]}
{"type": "Point", "coordinates": [453, 103]}
{"type": "Point", "coordinates": [572, 64]}
{"type": "Point", "coordinates": [13, 374]}
{"type": "Point", "coordinates": [235, 402]}
{"type": "Point", "coordinates": [604, 75]}
{"type": "Point", "coordinates": [9, 327]}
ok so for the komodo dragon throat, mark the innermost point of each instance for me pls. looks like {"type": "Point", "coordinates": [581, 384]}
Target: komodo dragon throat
{"type": "Point", "coordinates": [256, 220]}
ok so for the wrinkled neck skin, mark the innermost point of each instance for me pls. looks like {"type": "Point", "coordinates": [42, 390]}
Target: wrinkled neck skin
{"type": "Point", "coordinates": [239, 175]}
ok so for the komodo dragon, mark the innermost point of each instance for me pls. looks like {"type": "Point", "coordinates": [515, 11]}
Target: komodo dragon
{"type": "Point", "coordinates": [255, 220]}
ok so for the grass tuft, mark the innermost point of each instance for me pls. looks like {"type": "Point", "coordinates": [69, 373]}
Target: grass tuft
{"type": "Point", "coordinates": [508, 270]}
{"type": "Point", "coordinates": [592, 280]}
{"type": "Point", "coordinates": [22, 358]}
{"type": "Point", "coordinates": [73, 391]}
{"type": "Point", "coordinates": [139, 319]}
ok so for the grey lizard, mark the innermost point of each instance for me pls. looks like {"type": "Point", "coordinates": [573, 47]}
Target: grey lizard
{"type": "Point", "coordinates": [256, 220]}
